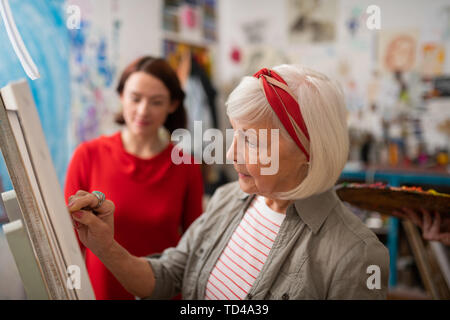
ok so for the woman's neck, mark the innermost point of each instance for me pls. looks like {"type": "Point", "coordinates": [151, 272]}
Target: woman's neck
{"type": "Point", "coordinates": [277, 204]}
{"type": "Point", "coordinates": [142, 146]}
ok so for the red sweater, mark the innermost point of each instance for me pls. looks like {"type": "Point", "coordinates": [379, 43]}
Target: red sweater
{"type": "Point", "coordinates": [154, 200]}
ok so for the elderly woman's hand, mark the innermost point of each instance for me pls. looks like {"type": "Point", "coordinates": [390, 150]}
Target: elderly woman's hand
{"type": "Point", "coordinates": [96, 231]}
{"type": "Point", "coordinates": [433, 229]}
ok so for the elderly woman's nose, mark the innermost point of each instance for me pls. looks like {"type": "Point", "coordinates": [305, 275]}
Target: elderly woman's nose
{"type": "Point", "coordinates": [231, 152]}
{"type": "Point", "coordinates": [236, 152]}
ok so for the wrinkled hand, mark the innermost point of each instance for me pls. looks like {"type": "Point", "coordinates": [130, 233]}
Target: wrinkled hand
{"type": "Point", "coordinates": [433, 229]}
{"type": "Point", "coordinates": [96, 232]}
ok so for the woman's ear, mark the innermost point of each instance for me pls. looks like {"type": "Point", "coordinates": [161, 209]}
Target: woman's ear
{"type": "Point", "coordinates": [174, 106]}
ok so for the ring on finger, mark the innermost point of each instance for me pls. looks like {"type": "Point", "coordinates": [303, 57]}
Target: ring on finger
{"type": "Point", "coordinates": [101, 198]}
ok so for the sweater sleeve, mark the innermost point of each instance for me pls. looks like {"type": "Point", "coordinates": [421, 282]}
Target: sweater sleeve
{"type": "Point", "coordinates": [193, 201]}
{"type": "Point", "coordinates": [77, 177]}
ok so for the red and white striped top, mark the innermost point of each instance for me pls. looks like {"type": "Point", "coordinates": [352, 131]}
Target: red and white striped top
{"type": "Point", "coordinates": [246, 252]}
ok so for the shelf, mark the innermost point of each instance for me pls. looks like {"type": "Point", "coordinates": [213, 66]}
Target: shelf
{"type": "Point", "coordinates": [399, 176]}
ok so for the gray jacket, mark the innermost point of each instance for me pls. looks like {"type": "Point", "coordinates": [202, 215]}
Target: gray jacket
{"type": "Point", "coordinates": [322, 251]}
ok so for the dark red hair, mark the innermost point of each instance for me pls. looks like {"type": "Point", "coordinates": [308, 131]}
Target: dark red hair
{"type": "Point", "coordinates": [160, 69]}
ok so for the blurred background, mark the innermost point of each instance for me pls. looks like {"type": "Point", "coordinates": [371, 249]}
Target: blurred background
{"type": "Point", "coordinates": [392, 59]}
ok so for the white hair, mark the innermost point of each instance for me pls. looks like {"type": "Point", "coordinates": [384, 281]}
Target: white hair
{"type": "Point", "coordinates": [323, 109]}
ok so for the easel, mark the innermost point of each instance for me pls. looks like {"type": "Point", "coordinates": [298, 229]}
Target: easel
{"type": "Point", "coordinates": [41, 235]}
{"type": "Point", "coordinates": [430, 268]}
{"type": "Point", "coordinates": [22, 250]}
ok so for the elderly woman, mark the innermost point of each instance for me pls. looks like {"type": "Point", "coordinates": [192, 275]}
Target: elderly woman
{"type": "Point", "coordinates": [268, 236]}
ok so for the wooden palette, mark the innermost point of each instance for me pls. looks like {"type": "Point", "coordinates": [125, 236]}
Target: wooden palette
{"type": "Point", "coordinates": [385, 199]}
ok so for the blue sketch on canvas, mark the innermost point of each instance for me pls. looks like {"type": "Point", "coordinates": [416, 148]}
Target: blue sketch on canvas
{"type": "Point", "coordinates": [43, 29]}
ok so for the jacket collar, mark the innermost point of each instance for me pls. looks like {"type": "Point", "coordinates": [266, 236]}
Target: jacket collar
{"type": "Point", "coordinates": [315, 209]}
{"type": "Point", "coordinates": [242, 195]}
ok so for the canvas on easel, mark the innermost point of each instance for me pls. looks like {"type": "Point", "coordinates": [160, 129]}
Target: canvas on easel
{"type": "Point", "coordinates": [40, 197]}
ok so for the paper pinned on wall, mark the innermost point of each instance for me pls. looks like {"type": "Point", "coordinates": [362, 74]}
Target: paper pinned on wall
{"type": "Point", "coordinates": [433, 59]}
{"type": "Point", "coordinates": [312, 21]}
{"type": "Point", "coordinates": [17, 42]}
{"type": "Point", "coordinates": [436, 132]}
{"type": "Point", "coordinates": [397, 50]}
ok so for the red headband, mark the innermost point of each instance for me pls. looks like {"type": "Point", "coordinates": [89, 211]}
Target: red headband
{"type": "Point", "coordinates": [286, 107]}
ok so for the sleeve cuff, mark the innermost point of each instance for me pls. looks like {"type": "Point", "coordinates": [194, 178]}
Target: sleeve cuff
{"type": "Point", "coordinates": [161, 289]}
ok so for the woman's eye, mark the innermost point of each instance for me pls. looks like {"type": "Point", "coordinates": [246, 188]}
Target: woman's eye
{"type": "Point", "coordinates": [135, 99]}
{"type": "Point", "coordinates": [157, 103]}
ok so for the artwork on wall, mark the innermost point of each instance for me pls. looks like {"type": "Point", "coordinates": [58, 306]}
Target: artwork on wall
{"type": "Point", "coordinates": [94, 55]}
{"type": "Point", "coordinates": [311, 20]}
{"type": "Point", "coordinates": [99, 51]}
{"type": "Point", "coordinates": [433, 58]}
{"type": "Point", "coordinates": [443, 18]}
{"type": "Point", "coordinates": [191, 19]}
{"type": "Point", "coordinates": [355, 32]}
{"type": "Point", "coordinates": [262, 55]}
{"type": "Point", "coordinates": [437, 128]}
{"type": "Point", "coordinates": [397, 50]}
{"type": "Point", "coordinates": [353, 20]}
{"type": "Point", "coordinates": [255, 31]}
